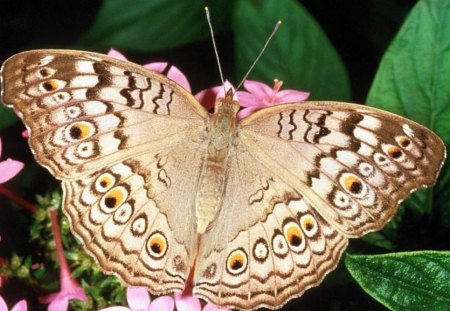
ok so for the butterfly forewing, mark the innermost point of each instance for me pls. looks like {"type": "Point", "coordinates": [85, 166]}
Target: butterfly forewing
{"type": "Point", "coordinates": [352, 163]}
{"type": "Point", "coordinates": [85, 110]}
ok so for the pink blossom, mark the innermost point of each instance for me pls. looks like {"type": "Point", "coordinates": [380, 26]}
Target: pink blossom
{"type": "Point", "coordinates": [187, 302]}
{"type": "Point", "coordinates": [69, 288]}
{"type": "Point", "coordinates": [208, 97]}
{"type": "Point", "coordinates": [20, 306]}
{"type": "Point", "coordinates": [212, 307]}
{"type": "Point", "coordinates": [260, 96]}
{"type": "Point", "coordinates": [9, 168]}
{"type": "Point", "coordinates": [139, 299]}
{"type": "Point", "coordinates": [174, 73]}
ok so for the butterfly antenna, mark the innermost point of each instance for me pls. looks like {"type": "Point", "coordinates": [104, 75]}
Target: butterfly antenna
{"type": "Point", "coordinates": [274, 31]}
{"type": "Point", "coordinates": [208, 18]}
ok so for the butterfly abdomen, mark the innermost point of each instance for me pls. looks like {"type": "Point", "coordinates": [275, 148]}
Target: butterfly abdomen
{"type": "Point", "coordinates": [214, 173]}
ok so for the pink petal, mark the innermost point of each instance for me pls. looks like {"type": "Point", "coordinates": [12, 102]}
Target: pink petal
{"type": "Point", "coordinates": [116, 308]}
{"type": "Point", "coordinates": [247, 99]}
{"type": "Point", "coordinates": [212, 307]}
{"type": "Point", "coordinates": [164, 303]}
{"type": "Point", "coordinates": [9, 169]}
{"type": "Point", "coordinates": [258, 89]}
{"type": "Point", "coordinates": [138, 298]}
{"type": "Point", "coordinates": [187, 302]}
{"type": "Point", "coordinates": [48, 298]}
{"type": "Point", "coordinates": [289, 96]}
{"type": "Point", "coordinates": [207, 97]}
{"type": "Point", "coordinates": [246, 112]}
{"type": "Point", "coordinates": [176, 75]}
{"type": "Point", "coordinates": [59, 304]}
{"type": "Point", "coordinates": [20, 306]}
{"type": "Point", "coordinates": [173, 74]}
{"type": "Point", "coordinates": [3, 306]}
{"type": "Point", "coordinates": [116, 54]}
{"type": "Point", "coordinates": [225, 88]}
{"type": "Point", "coordinates": [25, 134]}
{"type": "Point", "coordinates": [157, 66]}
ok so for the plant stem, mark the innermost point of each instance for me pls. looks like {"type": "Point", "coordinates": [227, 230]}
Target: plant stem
{"type": "Point", "coordinates": [17, 199]}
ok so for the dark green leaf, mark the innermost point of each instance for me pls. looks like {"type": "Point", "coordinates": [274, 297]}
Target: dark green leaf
{"type": "Point", "coordinates": [405, 281]}
{"type": "Point", "coordinates": [300, 54]}
{"type": "Point", "coordinates": [154, 25]}
{"type": "Point", "coordinates": [7, 117]}
{"type": "Point", "coordinates": [414, 80]}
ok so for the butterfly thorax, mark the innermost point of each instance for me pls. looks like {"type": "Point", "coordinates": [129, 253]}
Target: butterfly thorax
{"type": "Point", "coordinates": [214, 172]}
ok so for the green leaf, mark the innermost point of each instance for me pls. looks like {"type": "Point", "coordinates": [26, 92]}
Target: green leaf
{"type": "Point", "coordinates": [300, 54]}
{"type": "Point", "coordinates": [155, 25]}
{"type": "Point", "coordinates": [413, 80]}
{"type": "Point", "coordinates": [7, 117]}
{"type": "Point", "coordinates": [405, 281]}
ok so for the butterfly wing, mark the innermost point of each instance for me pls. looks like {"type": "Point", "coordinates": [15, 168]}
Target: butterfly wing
{"type": "Point", "coordinates": [353, 163]}
{"type": "Point", "coordinates": [85, 110]}
{"type": "Point", "coordinates": [327, 172]}
{"type": "Point", "coordinates": [118, 136]}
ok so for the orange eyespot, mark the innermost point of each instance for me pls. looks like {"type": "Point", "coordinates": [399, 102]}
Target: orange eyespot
{"type": "Point", "coordinates": [237, 262]}
{"type": "Point", "coordinates": [309, 225]}
{"type": "Point", "coordinates": [394, 152]}
{"type": "Point", "coordinates": [50, 85]}
{"type": "Point", "coordinates": [157, 245]}
{"type": "Point", "coordinates": [403, 141]}
{"type": "Point", "coordinates": [352, 184]}
{"type": "Point", "coordinates": [293, 234]}
{"type": "Point", "coordinates": [115, 197]}
{"type": "Point", "coordinates": [81, 130]}
{"type": "Point", "coordinates": [105, 181]}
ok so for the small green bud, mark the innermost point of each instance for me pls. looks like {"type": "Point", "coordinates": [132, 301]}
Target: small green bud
{"type": "Point", "coordinates": [23, 272]}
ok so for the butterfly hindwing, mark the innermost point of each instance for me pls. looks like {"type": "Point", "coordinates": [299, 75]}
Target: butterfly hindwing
{"type": "Point", "coordinates": [267, 245]}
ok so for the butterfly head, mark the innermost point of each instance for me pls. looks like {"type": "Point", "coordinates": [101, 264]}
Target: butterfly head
{"type": "Point", "coordinates": [224, 121]}
{"type": "Point", "coordinates": [227, 106]}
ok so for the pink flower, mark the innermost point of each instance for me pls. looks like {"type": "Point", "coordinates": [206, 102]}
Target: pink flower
{"type": "Point", "coordinates": [139, 299]}
{"type": "Point", "coordinates": [257, 96]}
{"type": "Point", "coordinates": [9, 168]}
{"type": "Point", "coordinates": [174, 73]}
{"type": "Point", "coordinates": [20, 306]}
{"type": "Point", "coordinates": [208, 97]}
{"type": "Point", "coordinates": [69, 288]}
{"type": "Point", "coordinates": [260, 96]}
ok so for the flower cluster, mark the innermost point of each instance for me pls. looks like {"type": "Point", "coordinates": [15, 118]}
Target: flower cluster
{"type": "Point", "coordinates": [256, 96]}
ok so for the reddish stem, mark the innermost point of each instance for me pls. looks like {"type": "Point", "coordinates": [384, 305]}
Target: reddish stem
{"type": "Point", "coordinates": [64, 267]}
{"type": "Point", "coordinates": [17, 199]}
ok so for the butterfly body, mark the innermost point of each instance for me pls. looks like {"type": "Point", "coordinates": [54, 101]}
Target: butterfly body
{"type": "Point", "coordinates": [153, 184]}
{"type": "Point", "coordinates": [214, 170]}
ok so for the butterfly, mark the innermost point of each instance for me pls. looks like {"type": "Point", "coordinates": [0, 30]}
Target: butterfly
{"type": "Point", "coordinates": [255, 211]}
